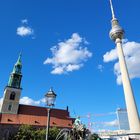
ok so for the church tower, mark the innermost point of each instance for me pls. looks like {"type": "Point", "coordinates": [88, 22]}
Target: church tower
{"type": "Point", "coordinates": [12, 91]}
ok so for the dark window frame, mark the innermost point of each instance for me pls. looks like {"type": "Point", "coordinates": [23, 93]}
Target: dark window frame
{"type": "Point", "coordinates": [12, 96]}
{"type": "Point", "coordinates": [9, 107]}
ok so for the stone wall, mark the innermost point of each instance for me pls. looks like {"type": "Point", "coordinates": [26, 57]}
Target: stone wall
{"type": "Point", "coordinates": [7, 131]}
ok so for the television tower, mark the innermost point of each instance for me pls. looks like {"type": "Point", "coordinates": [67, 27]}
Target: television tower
{"type": "Point", "coordinates": [117, 34]}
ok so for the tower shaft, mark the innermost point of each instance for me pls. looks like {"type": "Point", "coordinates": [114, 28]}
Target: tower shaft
{"type": "Point", "coordinates": [116, 34]}
{"type": "Point", "coordinates": [133, 116]}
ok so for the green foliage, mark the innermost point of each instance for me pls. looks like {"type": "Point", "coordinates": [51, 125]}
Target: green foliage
{"type": "Point", "coordinates": [94, 137]}
{"type": "Point", "coordinates": [27, 132]}
{"type": "Point", "coordinates": [40, 134]}
{"type": "Point", "coordinates": [53, 133]}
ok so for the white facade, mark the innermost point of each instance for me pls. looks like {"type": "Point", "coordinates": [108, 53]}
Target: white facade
{"type": "Point", "coordinates": [10, 101]}
{"type": "Point", "coordinates": [119, 135]}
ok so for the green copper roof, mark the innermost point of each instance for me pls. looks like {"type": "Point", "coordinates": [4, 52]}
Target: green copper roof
{"type": "Point", "coordinates": [19, 60]}
{"type": "Point", "coordinates": [18, 66]}
{"type": "Point", "coordinates": [15, 77]}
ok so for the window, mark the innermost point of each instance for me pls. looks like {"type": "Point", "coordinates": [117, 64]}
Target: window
{"type": "Point", "coordinates": [12, 96]}
{"type": "Point", "coordinates": [9, 107]}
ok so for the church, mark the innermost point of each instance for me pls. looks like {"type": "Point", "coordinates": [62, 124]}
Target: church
{"type": "Point", "coordinates": [13, 114]}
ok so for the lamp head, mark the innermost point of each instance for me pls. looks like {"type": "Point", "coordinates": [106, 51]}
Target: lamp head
{"type": "Point", "coordinates": [50, 97]}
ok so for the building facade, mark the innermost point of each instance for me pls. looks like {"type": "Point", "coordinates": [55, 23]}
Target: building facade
{"type": "Point", "coordinates": [122, 117]}
{"type": "Point", "coordinates": [13, 114]}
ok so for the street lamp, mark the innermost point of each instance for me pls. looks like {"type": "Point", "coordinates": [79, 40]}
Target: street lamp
{"type": "Point", "coordinates": [50, 100]}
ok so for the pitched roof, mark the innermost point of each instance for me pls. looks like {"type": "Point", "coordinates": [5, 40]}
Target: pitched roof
{"type": "Point", "coordinates": [42, 111]}
{"type": "Point", "coordinates": [34, 115]}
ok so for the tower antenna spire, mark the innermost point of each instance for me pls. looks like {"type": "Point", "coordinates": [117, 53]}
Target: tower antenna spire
{"type": "Point", "coordinates": [112, 10]}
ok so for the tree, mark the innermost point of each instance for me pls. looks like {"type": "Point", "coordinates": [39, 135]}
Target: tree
{"type": "Point", "coordinates": [27, 132]}
{"type": "Point", "coordinates": [53, 133]}
{"type": "Point", "coordinates": [40, 134]}
{"type": "Point", "coordinates": [94, 137]}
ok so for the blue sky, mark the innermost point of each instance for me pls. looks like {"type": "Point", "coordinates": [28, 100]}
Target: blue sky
{"type": "Point", "coordinates": [89, 86]}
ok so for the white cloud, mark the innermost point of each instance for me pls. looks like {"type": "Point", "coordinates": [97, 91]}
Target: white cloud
{"type": "Point", "coordinates": [24, 31]}
{"type": "Point", "coordinates": [132, 53]}
{"type": "Point", "coordinates": [113, 123]}
{"type": "Point", "coordinates": [43, 100]}
{"type": "Point", "coordinates": [110, 56]}
{"type": "Point", "coordinates": [29, 101]}
{"type": "Point", "coordinates": [58, 70]}
{"type": "Point", "coordinates": [105, 125]}
{"type": "Point", "coordinates": [24, 21]}
{"type": "Point", "coordinates": [69, 55]}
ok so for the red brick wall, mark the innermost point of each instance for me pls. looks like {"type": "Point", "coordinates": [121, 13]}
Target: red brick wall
{"type": "Point", "coordinates": [35, 116]}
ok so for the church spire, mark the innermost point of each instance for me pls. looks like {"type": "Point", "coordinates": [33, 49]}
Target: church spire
{"type": "Point", "coordinates": [15, 77]}
{"type": "Point", "coordinates": [18, 65]}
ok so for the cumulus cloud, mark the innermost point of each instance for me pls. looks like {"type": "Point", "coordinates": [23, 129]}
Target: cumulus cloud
{"type": "Point", "coordinates": [29, 101]}
{"type": "Point", "coordinates": [69, 55]}
{"type": "Point", "coordinates": [106, 126]}
{"type": "Point", "coordinates": [24, 29]}
{"type": "Point", "coordinates": [132, 53]}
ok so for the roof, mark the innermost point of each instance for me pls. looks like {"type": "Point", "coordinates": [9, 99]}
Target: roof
{"type": "Point", "coordinates": [42, 111]}
{"type": "Point", "coordinates": [34, 115]}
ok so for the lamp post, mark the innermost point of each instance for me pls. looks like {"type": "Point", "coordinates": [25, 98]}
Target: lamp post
{"type": "Point", "coordinates": [50, 100]}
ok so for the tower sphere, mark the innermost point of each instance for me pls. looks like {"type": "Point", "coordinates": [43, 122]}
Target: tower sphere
{"type": "Point", "coordinates": [116, 31]}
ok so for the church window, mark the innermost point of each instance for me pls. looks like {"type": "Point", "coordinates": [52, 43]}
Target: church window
{"type": "Point", "coordinates": [9, 107]}
{"type": "Point", "coordinates": [12, 96]}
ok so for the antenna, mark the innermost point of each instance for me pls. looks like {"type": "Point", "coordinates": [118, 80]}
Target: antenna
{"type": "Point", "coordinates": [112, 10]}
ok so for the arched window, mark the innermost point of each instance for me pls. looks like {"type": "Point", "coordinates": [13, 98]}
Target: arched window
{"type": "Point", "coordinates": [12, 96]}
{"type": "Point", "coordinates": [10, 107]}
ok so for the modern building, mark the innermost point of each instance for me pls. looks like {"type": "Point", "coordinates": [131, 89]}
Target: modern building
{"type": "Point", "coordinates": [13, 114]}
{"type": "Point", "coordinates": [122, 117]}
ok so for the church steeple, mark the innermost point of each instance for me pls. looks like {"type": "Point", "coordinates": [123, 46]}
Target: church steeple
{"type": "Point", "coordinates": [16, 75]}
{"type": "Point", "coordinates": [18, 66]}
{"type": "Point", "coordinates": [12, 91]}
